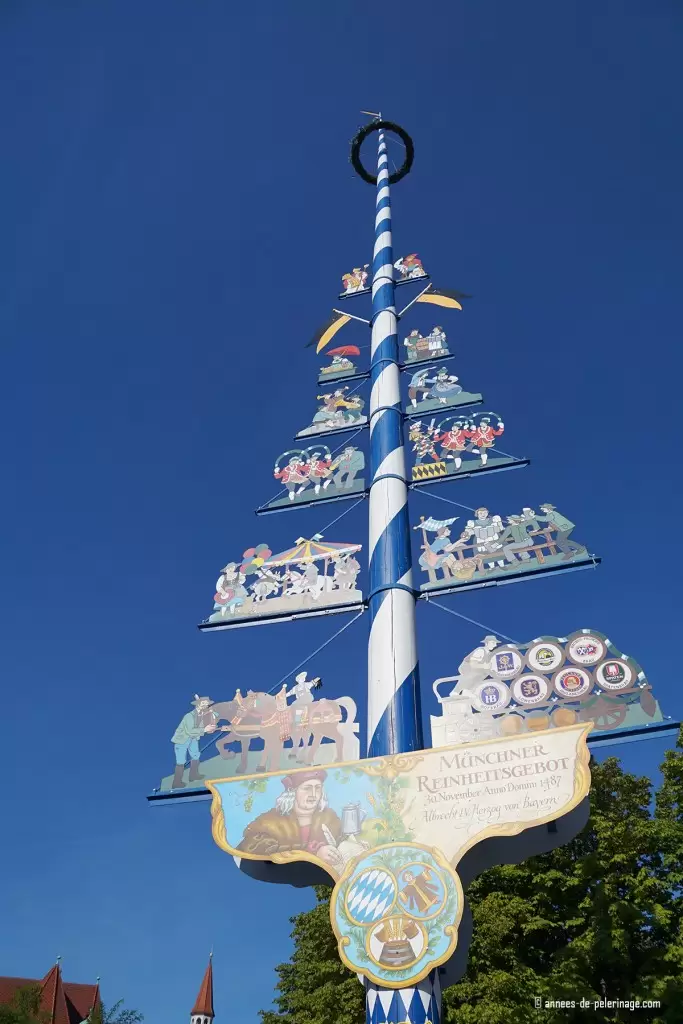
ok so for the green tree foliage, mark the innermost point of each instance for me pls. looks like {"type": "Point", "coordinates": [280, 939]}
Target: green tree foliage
{"type": "Point", "coordinates": [24, 1007]}
{"type": "Point", "coordinates": [114, 1015]}
{"type": "Point", "coordinates": [600, 918]}
{"type": "Point", "coordinates": [315, 987]}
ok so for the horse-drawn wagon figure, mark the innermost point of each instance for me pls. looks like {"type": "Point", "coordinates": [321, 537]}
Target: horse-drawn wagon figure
{"type": "Point", "coordinates": [552, 682]}
{"type": "Point", "coordinates": [288, 727]}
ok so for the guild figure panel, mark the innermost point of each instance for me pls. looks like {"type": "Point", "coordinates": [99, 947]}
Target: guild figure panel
{"type": "Point", "coordinates": [433, 388]}
{"type": "Point", "coordinates": [406, 269]}
{"type": "Point", "coordinates": [487, 549]}
{"type": "Point", "coordinates": [419, 348]}
{"type": "Point", "coordinates": [458, 445]}
{"type": "Point", "coordinates": [318, 474]}
{"type": "Point", "coordinates": [338, 410]}
{"type": "Point", "coordinates": [341, 366]}
{"type": "Point", "coordinates": [259, 732]}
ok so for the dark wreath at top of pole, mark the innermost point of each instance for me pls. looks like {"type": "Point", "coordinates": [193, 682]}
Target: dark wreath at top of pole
{"type": "Point", "coordinates": [376, 126]}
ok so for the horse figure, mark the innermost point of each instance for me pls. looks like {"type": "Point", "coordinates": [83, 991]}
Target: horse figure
{"type": "Point", "coordinates": [300, 583]}
{"type": "Point", "coordinates": [317, 720]}
{"type": "Point", "coordinates": [265, 585]}
{"type": "Point", "coordinates": [257, 716]}
{"type": "Point", "coordinates": [346, 569]}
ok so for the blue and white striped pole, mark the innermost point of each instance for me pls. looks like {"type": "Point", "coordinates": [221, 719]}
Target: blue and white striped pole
{"type": "Point", "coordinates": [394, 716]}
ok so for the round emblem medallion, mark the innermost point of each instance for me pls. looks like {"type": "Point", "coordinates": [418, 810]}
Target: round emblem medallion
{"type": "Point", "coordinates": [586, 649]}
{"type": "Point", "coordinates": [396, 943]}
{"type": "Point", "coordinates": [371, 895]}
{"type": "Point", "coordinates": [572, 682]}
{"type": "Point", "coordinates": [614, 674]}
{"type": "Point", "coordinates": [506, 663]}
{"type": "Point", "coordinates": [395, 913]}
{"type": "Point", "coordinates": [421, 891]}
{"type": "Point", "coordinates": [544, 656]}
{"type": "Point", "coordinates": [492, 696]}
{"type": "Point", "coordinates": [530, 690]}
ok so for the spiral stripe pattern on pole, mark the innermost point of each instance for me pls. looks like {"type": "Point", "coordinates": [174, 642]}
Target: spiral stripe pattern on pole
{"type": "Point", "coordinates": [394, 717]}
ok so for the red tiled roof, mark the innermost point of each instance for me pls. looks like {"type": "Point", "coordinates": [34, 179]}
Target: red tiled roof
{"type": "Point", "coordinates": [81, 997]}
{"type": "Point", "coordinates": [204, 1003]}
{"type": "Point", "coordinates": [8, 986]}
{"type": "Point", "coordinates": [66, 1002]}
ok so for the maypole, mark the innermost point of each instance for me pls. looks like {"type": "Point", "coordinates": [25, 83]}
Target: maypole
{"type": "Point", "coordinates": [394, 715]}
{"type": "Point", "coordinates": [505, 775]}
{"type": "Point", "coordinates": [394, 718]}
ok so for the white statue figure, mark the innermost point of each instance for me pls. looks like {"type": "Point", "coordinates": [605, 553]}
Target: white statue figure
{"type": "Point", "coordinates": [486, 530]}
{"type": "Point", "coordinates": [475, 667]}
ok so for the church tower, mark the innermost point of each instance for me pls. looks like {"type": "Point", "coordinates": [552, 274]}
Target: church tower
{"type": "Point", "coordinates": [202, 1011]}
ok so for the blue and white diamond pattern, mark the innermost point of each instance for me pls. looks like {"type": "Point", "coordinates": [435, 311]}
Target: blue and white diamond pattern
{"type": "Point", "coordinates": [371, 895]}
{"type": "Point", "coordinates": [416, 1004]}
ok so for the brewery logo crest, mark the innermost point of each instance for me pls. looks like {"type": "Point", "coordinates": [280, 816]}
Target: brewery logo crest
{"type": "Point", "coordinates": [572, 682]}
{"type": "Point", "coordinates": [506, 663]}
{"type": "Point", "coordinates": [545, 656]}
{"type": "Point", "coordinates": [586, 649]}
{"type": "Point", "coordinates": [492, 696]}
{"type": "Point", "coordinates": [530, 689]}
{"type": "Point", "coordinates": [615, 674]}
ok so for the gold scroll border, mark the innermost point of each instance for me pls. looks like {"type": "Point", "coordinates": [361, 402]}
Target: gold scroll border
{"type": "Point", "coordinates": [389, 767]}
{"type": "Point", "coordinates": [449, 929]}
{"type": "Point", "coordinates": [582, 785]}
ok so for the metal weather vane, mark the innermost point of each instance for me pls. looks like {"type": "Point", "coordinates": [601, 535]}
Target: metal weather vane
{"type": "Point", "coordinates": [398, 831]}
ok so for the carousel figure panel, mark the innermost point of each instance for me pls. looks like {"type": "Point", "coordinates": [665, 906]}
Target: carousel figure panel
{"type": "Point", "coordinates": [312, 574]}
{"type": "Point", "coordinates": [318, 474]}
{"type": "Point", "coordinates": [487, 549]}
{"type": "Point", "coordinates": [259, 732]}
{"type": "Point", "coordinates": [505, 689]}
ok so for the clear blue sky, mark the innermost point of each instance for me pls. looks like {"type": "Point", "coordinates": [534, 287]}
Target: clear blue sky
{"type": "Point", "coordinates": [177, 207]}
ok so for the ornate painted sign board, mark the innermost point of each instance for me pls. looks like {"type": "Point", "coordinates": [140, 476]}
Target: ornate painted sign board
{"type": "Point", "coordinates": [434, 389]}
{"type": "Point", "coordinates": [509, 689]}
{"type": "Point", "coordinates": [338, 411]}
{"type": "Point", "coordinates": [317, 474]}
{"type": "Point", "coordinates": [311, 575]}
{"type": "Point", "coordinates": [487, 549]}
{"type": "Point", "coordinates": [407, 269]}
{"type": "Point", "coordinates": [392, 831]}
{"type": "Point", "coordinates": [291, 727]}
{"type": "Point", "coordinates": [458, 446]}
